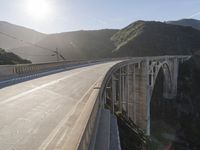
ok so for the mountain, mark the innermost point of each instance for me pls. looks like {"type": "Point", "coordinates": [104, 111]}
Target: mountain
{"type": "Point", "coordinates": [150, 38]}
{"type": "Point", "coordinates": [14, 36]}
{"type": "Point", "coordinates": [8, 58]}
{"type": "Point", "coordinates": [39, 47]}
{"type": "Point", "coordinates": [72, 45]}
{"type": "Point", "coordinates": [187, 22]}
{"type": "Point", "coordinates": [141, 38]}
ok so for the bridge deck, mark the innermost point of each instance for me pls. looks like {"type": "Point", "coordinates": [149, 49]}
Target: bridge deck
{"type": "Point", "coordinates": [39, 114]}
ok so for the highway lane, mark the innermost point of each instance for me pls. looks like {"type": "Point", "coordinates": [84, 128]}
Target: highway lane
{"type": "Point", "coordinates": [40, 113]}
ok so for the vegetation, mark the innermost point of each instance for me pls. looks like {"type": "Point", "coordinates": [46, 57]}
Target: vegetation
{"type": "Point", "coordinates": [187, 22]}
{"type": "Point", "coordinates": [155, 38]}
{"type": "Point", "coordinates": [8, 58]}
{"type": "Point", "coordinates": [141, 38]}
{"type": "Point", "coordinates": [175, 123]}
{"type": "Point", "coordinates": [129, 132]}
{"type": "Point", "coordinates": [188, 101]}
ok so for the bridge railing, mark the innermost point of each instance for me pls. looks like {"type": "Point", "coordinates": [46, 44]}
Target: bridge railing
{"type": "Point", "coordinates": [98, 99]}
{"type": "Point", "coordinates": [9, 71]}
{"type": "Point", "coordinates": [93, 106]}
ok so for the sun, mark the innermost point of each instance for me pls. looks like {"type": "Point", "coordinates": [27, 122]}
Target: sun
{"type": "Point", "coordinates": [38, 9]}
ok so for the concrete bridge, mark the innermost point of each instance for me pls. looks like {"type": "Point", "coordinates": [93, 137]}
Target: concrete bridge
{"type": "Point", "coordinates": [61, 105]}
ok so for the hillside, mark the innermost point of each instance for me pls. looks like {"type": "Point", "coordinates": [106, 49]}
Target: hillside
{"type": "Point", "coordinates": [8, 58]}
{"type": "Point", "coordinates": [188, 104]}
{"type": "Point", "coordinates": [141, 38]}
{"type": "Point", "coordinates": [72, 45]}
{"type": "Point", "coordinates": [13, 36]}
{"type": "Point", "coordinates": [155, 38]}
{"type": "Point", "coordinates": [187, 22]}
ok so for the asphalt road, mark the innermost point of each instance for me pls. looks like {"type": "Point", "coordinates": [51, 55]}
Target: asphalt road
{"type": "Point", "coordinates": [39, 114]}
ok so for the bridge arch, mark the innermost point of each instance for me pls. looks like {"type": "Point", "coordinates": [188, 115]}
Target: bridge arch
{"type": "Point", "coordinates": [127, 87]}
{"type": "Point", "coordinates": [168, 80]}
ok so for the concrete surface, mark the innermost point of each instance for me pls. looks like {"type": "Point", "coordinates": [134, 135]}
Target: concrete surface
{"type": "Point", "coordinates": [39, 114]}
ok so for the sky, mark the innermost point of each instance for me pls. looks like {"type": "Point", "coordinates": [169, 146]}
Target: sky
{"type": "Point", "coordinates": [54, 16]}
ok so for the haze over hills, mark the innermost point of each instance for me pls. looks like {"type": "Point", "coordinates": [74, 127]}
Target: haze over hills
{"type": "Point", "coordinates": [141, 38]}
{"type": "Point", "coordinates": [72, 45]}
{"type": "Point", "coordinates": [187, 22]}
{"type": "Point", "coordinates": [11, 35]}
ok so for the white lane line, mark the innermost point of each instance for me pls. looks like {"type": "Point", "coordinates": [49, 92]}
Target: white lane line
{"type": "Point", "coordinates": [38, 88]}
{"type": "Point", "coordinates": [55, 131]}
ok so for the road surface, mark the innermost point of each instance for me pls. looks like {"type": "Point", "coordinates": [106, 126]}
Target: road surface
{"type": "Point", "coordinates": [39, 114]}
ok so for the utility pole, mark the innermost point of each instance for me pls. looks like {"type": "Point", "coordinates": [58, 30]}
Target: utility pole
{"type": "Point", "coordinates": [57, 54]}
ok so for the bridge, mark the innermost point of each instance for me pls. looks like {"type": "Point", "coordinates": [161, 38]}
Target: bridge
{"type": "Point", "coordinates": [62, 105]}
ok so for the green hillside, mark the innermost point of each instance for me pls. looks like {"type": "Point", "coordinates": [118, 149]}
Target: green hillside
{"type": "Point", "coordinates": [187, 22]}
{"type": "Point", "coordinates": [149, 38]}
{"type": "Point", "coordinates": [141, 38]}
{"type": "Point", "coordinates": [8, 58]}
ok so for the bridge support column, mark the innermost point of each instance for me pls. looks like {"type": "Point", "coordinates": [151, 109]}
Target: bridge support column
{"type": "Point", "coordinates": [134, 95]}
{"type": "Point", "coordinates": [127, 91]}
{"type": "Point", "coordinates": [171, 80]}
{"type": "Point", "coordinates": [123, 88]}
{"type": "Point", "coordinates": [175, 77]}
{"type": "Point", "coordinates": [113, 93]}
{"type": "Point", "coordinates": [149, 82]}
{"type": "Point", "coordinates": [120, 90]}
{"type": "Point", "coordinates": [139, 95]}
{"type": "Point", "coordinates": [131, 92]}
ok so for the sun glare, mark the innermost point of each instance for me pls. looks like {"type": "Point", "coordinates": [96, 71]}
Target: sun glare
{"type": "Point", "coordinates": [38, 9]}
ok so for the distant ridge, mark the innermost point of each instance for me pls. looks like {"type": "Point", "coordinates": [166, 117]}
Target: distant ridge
{"type": "Point", "coordinates": [187, 22]}
{"type": "Point", "coordinates": [148, 38]}
{"type": "Point", "coordinates": [141, 38]}
{"type": "Point", "coordinates": [72, 45]}
{"type": "Point", "coordinates": [17, 35]}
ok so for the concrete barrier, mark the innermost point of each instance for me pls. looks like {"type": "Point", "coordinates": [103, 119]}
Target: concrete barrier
{"type": "Point", "coordinates": [6, 70]}
{"type": "Point", "coordinates": [9, 71]}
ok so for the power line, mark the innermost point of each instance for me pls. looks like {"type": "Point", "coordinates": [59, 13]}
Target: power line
{"type": "Point", "coordinates": [35, 45]}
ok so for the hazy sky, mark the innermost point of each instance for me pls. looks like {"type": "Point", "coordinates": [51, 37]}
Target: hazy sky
{"type": "Point", "coordinates": [68, 15]}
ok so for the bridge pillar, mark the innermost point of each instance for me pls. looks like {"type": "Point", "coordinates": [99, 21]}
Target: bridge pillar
{"type": "Point", "coordinates": [140, 95]}
{"type": "Point", "coordinates": [123, 88]}
{"type": "Point", "coordinates": [131, 92]}
{"type": "Point", "coordinates": [149, 83]}
{"type": "Point", "coordinates": [134, 95]}
{"type": "Point", "coordinates": [113, 93]}
{"type": "Point", "coordinates": [131, 87]}
{"type": "Point", "coordinates": [120, 89]}
{"type": "Point", "coordinates": [171, 79]}
{"type": "Point", "coordinates": [127, 91]}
